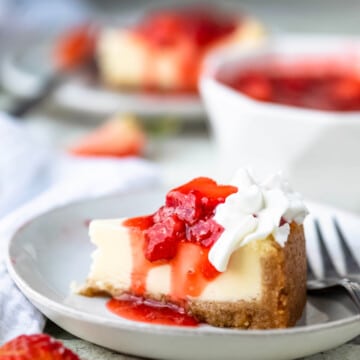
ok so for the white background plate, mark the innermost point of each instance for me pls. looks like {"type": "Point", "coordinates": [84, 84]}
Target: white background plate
{"type": "Point", "coordinates": [30, 67]}
{"type": "Point", "coordinates": [48, 253]}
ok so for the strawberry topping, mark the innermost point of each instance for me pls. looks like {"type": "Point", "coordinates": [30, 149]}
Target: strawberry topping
{"type": "Point", "coordinates": [186, 216]}
{"type": "Point", "coordinates": [200, 25]}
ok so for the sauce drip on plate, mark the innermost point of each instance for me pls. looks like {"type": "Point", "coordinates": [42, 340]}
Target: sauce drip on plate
{"type": "Point", "coordinates": [153, 312]}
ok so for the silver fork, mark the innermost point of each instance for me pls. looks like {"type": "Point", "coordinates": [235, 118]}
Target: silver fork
{"type": "Point", "coordinates": [331, 277]}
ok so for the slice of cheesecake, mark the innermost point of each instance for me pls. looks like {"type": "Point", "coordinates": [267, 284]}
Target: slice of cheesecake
{"type": "Point", "coordinates": [166, 49]}
{"type": "Point", "coordinates": [230, 255]}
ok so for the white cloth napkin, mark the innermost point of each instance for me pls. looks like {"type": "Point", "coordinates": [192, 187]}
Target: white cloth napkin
{"type": "Point", "coordinates": [70, 179]}
{"type": "Point", "coordinates": [24, 165]}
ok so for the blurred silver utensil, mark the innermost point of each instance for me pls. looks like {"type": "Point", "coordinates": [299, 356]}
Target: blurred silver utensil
{"type": "Point", "coordinates": [72, 52]}
{"type": "Point", "coordinates": [331, 277]}
{"type": "Point", "coordinates": [23, 106]}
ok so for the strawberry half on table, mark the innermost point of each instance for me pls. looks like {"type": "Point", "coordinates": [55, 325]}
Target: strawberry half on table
{"type": "Point", "coordinates": [120, 136]}
{"type": "Point", "coordinates": [35, 347]}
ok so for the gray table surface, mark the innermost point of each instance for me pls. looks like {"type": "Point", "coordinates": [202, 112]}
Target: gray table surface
{"type": "Point", "coordinates": [88, 351]}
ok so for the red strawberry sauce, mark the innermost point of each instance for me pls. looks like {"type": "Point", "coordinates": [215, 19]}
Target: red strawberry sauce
{"type": "Point", "coordinates": [185, 34]}
{"type": "Point", "coordinates": [180, 235]}
{"type": "Point", "coordinates": [153, 312]}
{"type": "Point", "coordinates": [316, 83]}
{"type": "Point", "coordinates": [199, 24]}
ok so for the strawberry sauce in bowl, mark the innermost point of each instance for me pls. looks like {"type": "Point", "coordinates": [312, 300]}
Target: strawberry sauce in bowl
{"type": "Point", "coordinates": [321, 83]}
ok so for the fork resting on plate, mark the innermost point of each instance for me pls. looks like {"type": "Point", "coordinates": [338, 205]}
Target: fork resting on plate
{"type": "Point", "coordinates": [331, 276]}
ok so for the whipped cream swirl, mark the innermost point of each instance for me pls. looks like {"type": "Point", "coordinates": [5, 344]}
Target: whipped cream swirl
{"type": "Point", "coordinates": [253, 213]}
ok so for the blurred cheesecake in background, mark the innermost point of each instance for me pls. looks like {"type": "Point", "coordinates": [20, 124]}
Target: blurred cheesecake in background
{"type": "Point", "coordinates": [166, 49]}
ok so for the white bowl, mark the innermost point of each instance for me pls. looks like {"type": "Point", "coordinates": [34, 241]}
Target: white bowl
{"type": "Point", "coordinates": [317, 150]}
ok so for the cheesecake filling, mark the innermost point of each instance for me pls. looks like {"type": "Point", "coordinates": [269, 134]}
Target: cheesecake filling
{"type": "Point", "coordinates": [256, 211]}
{"type": "Point", "coordinates": [177, 279]}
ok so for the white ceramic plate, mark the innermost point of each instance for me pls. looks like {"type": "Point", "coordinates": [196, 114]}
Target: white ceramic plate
{"type": "Point", "coordinates": [24, 73]}
{"type": "Point", "coordinates": [48, 253]}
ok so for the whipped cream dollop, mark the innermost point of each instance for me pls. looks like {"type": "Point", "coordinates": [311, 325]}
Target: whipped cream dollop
{"type": "Point", "coordinates": [254, 212]}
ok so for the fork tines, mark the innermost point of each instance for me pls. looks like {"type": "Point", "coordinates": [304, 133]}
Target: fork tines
{"type": "Point", "coordinates": [328, 264]}
{"type": "Point", "coordinates": [352, 266]}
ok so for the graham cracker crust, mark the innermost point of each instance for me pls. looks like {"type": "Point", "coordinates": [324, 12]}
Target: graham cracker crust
{"type": "Point", "coordinates": [283, 290]}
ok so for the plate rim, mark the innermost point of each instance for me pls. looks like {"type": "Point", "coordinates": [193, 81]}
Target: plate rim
{"type": "Point", "coordinates": [186, 106]}
{"type": "Point", "coordinates": [133, 326]}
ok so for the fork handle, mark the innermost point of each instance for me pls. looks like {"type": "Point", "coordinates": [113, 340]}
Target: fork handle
{"type": "Point", "coordinates": [354, 290]}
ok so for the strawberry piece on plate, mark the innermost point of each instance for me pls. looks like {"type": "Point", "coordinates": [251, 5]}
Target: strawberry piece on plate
{"type": "Point", "coordinates": [121, 136]}
{"type": "Point", "coordinates": [35, 347]}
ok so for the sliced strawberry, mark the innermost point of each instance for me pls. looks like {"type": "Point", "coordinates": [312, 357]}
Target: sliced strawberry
{"type": "Point", "coordinates": [35, 347]}
{"type": "Point", "coordinates": [186, 206]}
{"type": "Point", "coordinates": [121, 136]}
{"type": "Point", "coordinates": [205, 232]}
{"type": "Point", "coordinates": [162, 239]}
